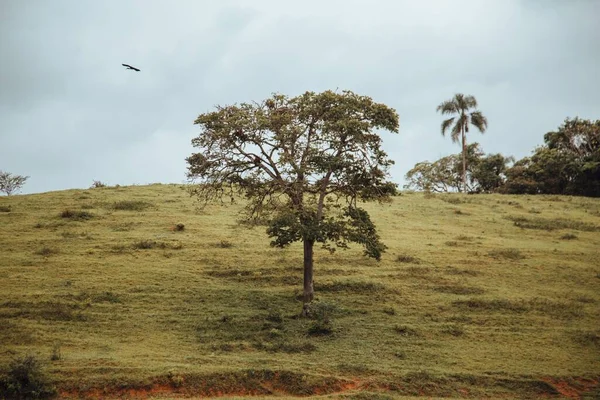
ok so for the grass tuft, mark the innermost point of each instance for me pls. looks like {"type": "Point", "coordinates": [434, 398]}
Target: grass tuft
{"type": "Point", "coordinates": [405, 258]}
{"type": "Point", "coordinates": [131, 205]}
{"type": "Point", "coordinates": [568, 236]}
{"type": "Point", "coordinates": [405, 330]}
{"type": "Point", "coordinates": [509, 254]}
{"type": "Point", "coordinates": [553, 224]}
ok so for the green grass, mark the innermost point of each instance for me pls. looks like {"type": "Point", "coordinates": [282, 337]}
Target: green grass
{"type": "Point", "coordinates": [488, 303]}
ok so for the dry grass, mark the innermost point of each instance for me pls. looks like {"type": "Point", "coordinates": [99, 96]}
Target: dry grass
{"type": "Point", "coordinates": [135, 303]}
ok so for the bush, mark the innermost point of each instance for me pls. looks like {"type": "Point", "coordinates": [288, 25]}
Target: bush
{"type": "Point", "coordinates": [321, 313]}
{"type": "Point", "coordinates": [98, 184]}
{"type": "Point", "coordinates": [5, 209]}
{"type": "Point", "coordinates": [26, 380]}
{"type": "Point", "coordinates": [179, 227]}
{"type": "Point", "coordinates": [76, 215]}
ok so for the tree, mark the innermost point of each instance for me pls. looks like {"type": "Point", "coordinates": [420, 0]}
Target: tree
{"type": "Point", "coordinates": [484, 173]}
{"type": "Point", "coordinates": [302, 164]}
{"type": "Point", "coordinates": [458, 125]}
{"type": "Point", "coordinates": [10, 183]}
{"type": "Point", "coordinates": [488, 173]}
{"type": "Point", "coordinates": [568, 163]}
{"type": "Point", "coordinates": [439, 176]}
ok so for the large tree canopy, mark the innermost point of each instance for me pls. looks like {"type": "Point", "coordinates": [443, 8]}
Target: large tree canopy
{"type": "Point", "coordinates": [485, 173]}
{"type": "Point", "coordinates": [568, 163]}
{"type": "Point", "coordinates": [303, 164]}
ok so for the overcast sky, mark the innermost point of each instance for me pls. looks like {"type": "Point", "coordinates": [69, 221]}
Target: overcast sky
{"type": "Point", "coordinates": [71, 114]}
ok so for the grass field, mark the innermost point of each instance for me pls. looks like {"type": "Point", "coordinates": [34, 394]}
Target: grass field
{"type": "Point", "coordinates": [478, 296]}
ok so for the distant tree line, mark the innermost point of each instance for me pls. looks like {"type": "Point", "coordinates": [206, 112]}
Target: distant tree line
{"type": "Point", "coordinates": [567, 163]}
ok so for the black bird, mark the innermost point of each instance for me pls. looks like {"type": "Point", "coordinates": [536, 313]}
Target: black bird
{"type": "Point", "coordinates": [130, 67]}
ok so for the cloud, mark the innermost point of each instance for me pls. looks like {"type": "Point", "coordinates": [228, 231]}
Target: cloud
{"type": "Point", "coordinates": [70, 113]}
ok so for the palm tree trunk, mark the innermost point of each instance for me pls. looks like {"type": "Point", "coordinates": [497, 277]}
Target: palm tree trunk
{"type": "Point", "coordinates": [464, 160]}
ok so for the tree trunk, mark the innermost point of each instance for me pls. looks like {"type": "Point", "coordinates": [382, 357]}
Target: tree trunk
{"type": "Point", "coordinates": [464, 160]}
{"type": "Point", "coordinates": [309, 291]}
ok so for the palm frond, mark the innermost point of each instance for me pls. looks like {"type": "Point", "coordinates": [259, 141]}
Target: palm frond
{"type": "Point", "coordinates": [446, 124]}
{"type": "Point", "coordinates": [457, 130]}
{"type": "Point", "coordinates": [470, 102]}
{"type": "Point", "coordinates": [448, 107]}
{"type": "Point", "coordinates": [479, 121]}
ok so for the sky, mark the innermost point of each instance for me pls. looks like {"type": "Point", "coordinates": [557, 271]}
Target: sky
{"type": "Point", "coordinates": [70, 114]}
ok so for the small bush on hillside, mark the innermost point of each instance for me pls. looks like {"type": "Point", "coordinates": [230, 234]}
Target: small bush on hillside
{"type": "Point", "coordinates": [98, 184]}
{"type": "Point", "coordinates": [76, 215]}
{"type": "Point", "coordinates": [179, 227]}
{"type": "Point", "coordinates": [5, 209]}
{"type": "Point", "coordinates": [25, 379]}
{"type": "Point", "coordinates": [321, 313]}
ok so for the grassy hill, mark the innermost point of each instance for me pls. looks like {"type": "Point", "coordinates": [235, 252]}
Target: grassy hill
{"type": "Point", "coordinates": [478, 296]}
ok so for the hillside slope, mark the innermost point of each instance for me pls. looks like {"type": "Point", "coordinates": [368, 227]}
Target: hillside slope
{"type": "Point", "coordinates": [477, 296]}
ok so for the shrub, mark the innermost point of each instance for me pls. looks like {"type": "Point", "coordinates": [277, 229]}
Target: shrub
{"type": "Point", "coordinates": [76, 215]}
{"type": "Point", "coordinates": [321, 328]}
{"type": "Point", "coordinates": [97, 184]}
{"type": "Point", "coordinates": [323, 324]}
{"type": "Point", "coordinates": [179, 227]}
{"type": "Point", "coordinates": [26, 380]}
{"type": "Point", "coordinates": [5, 209]}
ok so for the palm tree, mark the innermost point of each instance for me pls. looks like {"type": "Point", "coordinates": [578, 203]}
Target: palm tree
{"type": "Point", "coordinates": [458, 125]}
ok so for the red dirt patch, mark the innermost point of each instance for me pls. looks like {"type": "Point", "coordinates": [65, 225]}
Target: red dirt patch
{"type": "Point", "coordinates": [573, 388]}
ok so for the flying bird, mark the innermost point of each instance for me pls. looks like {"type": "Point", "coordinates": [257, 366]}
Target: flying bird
{"type": "Point", "coordinates": [130, 67]}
